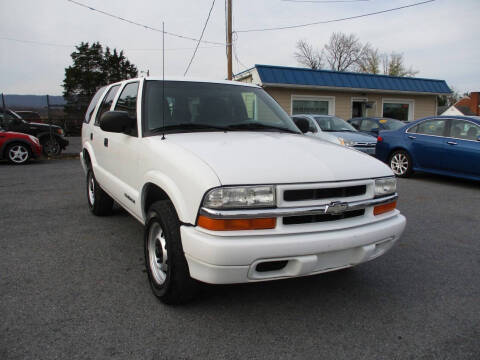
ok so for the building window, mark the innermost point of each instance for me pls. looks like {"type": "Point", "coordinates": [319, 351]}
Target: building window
{"type": "Point", "coordinates": [313, 105]}
{"type": "Point", "coordinates": [398, 109]}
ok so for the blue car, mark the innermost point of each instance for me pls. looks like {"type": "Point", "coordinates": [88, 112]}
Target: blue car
{"type": "Point", "coordinates": [445, 145]}
{"type": "Point", "coordinates": [373, 125]}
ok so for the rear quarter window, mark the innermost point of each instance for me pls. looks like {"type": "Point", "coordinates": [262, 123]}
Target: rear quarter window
{"type": "Point", "coordinates": [93, 104]}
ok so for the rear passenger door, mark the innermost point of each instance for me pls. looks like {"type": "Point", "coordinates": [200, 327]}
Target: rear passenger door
{"type": "Point", "coordinates": [463, 147]}
{"type": "Point", "coordinates": [426, 141]}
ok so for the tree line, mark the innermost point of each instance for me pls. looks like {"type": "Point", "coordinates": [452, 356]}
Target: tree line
{"type": "Point", "coordinates": [345, 52]}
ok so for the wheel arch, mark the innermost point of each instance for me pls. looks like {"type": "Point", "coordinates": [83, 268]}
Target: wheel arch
{"type": "Point", "coordinates": [8, 143]}
{"type": "Point", "coordinates": [152, 191]}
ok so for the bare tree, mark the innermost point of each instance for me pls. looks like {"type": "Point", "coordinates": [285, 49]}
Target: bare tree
{"type": "Point", "coordinates": [393, 65]}
{"type": "Point", "coordinates": [370, 62]}
{"type": "Point", "coordinates": [307, 56]}
{"type": "Point", "coordinates": [344, 52]}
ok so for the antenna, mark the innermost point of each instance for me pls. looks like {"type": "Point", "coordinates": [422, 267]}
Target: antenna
{"type": "Point", "coordinates": [163, 79]}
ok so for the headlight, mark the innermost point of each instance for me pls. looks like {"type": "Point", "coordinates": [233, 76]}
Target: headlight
{"type": "Point", "coordinates": [385, 186]}
{"type": "Point", "coordinates": [34, 139]}
{"type": "Point", "coordinates": [345, 142]}
{"type": "Point", "coordinates": [240, 197]}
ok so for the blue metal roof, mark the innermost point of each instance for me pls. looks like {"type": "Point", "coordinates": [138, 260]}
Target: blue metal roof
{"type": "Point", "coordinates": [325, 78]}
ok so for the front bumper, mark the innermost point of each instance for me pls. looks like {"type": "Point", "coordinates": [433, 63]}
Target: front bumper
{"type": "Point", "coordinates": [225, 260]}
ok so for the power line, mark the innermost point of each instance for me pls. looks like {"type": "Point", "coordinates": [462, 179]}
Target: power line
{"type": "Point", "coordinates": [334, 20]}
{"type": "Point", "coordinates": [201, 36]}
{"type": "Point", "coordinates": [125, 49]}
{"type": "Point", "coordinates": [142, 25]}
{"type": "Point", "coordinates": [326, 1]}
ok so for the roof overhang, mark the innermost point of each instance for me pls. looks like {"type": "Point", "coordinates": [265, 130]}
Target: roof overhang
{"type": "Point", "coordinates": [345, 89]}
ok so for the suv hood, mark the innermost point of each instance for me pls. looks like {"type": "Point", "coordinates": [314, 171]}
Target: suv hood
{"type": "Point", "coordinates": [273, 158]}
{"type": "Point", "coordinates": [354, 136]}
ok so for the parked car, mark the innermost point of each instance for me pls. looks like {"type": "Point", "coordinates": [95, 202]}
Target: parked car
{"type": "Point", "coordinates": [373, 125]}
{"type": "Point", "coordinates": [446, 145]}
{"type": "Point", "coordinates": [29, 116]}
{"type": "Point", "coordinates": [338, 131]}
{"type": "Point", "coordinates": [51, 136]}
{"type": "Point", "coordinates": [228, 189]}
{"type": "Point", "coordinates": [18, 148]}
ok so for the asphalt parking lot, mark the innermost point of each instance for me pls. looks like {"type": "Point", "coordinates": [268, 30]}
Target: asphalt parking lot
{"type": "Point", "coordinates": [73, 286]}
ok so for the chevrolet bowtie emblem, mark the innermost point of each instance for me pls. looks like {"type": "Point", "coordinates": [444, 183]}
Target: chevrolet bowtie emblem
{"type": "Point", "coordinates": [336, 207]}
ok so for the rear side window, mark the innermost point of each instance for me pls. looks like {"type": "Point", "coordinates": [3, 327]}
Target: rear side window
{"type": "Point", "coordinates": [106, 103]}
{"type": "Point", "coordinates": [464, 130]}
{"type": "Point", "coordinates": [128, 100]}
{"type": "Point", "coordinates": [93, 104]}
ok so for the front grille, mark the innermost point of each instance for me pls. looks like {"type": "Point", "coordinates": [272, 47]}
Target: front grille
{"type": "Point", "coordinates": [360, 144]}
{"type": "Point", "coordinates": [305, 219]}
{"type": "Point", "coordinates": [317, 194]}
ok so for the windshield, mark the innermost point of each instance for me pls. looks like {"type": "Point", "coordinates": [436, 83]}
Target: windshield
{"type": "Point", "coordinates": [199, 106]}
{"type": "Point", "coordinates": [391, 124]}
{"type": "Point", "coordinates": [333, 123]}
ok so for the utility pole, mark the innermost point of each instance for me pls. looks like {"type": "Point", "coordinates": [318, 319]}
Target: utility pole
{"type": "Point", "coordinates": [229, 39]}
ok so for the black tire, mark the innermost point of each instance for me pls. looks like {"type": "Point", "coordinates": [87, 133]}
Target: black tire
{"type": "Point", "coordinates": [99, 202]}
{"type": "Point", "coordinates": [177, 286]}
{"type": "Point", "coordinates": [51, 146]}
{"type": "Point", "coordinates": [18, 153]}
{"type": "Point", "coordinates": [401, 163]}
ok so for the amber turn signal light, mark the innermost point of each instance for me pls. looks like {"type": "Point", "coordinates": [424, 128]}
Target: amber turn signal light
{"type": "Point", "coordinates": [381, 209]}
{"type": "Point", "coordinates": [236, 224]}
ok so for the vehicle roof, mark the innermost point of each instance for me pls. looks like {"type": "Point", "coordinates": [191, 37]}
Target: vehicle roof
{"type": "Point", "coordinates": [374, 118]}
{"type": "Point", "coordinates": [457, 117]}
{"type": "Point", "coordinates": [182, 79]}
{"type": "Point", "coordinates": [313, 115]}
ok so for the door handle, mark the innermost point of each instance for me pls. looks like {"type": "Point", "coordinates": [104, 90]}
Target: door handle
{"type": "Point", "coordinates": [105, 142]}
{"type": "Point", "coordinates": [412, 137]}
{"type": "Point", "coordinates": [91, 136]}
{"type": "Point", "coordinates": [452, 143]}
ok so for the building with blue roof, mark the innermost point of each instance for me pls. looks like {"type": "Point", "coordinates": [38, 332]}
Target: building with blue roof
{"type": "Point", "coordinates": [347, 94]}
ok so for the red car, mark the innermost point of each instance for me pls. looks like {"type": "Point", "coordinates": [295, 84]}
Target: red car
{"type": "Point", "coordinates": [18, 148]}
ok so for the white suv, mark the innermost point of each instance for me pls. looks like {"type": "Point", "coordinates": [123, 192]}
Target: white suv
{"type": "Point", "coordinates": [227, 187]}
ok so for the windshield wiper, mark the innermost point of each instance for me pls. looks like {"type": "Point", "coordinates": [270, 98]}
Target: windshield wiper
{"type": "Point", "coordinates": [189, 126]}
{"type": "Point", "coordinates": [256, 126]}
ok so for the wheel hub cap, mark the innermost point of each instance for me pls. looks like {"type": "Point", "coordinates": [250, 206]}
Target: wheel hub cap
{"type": "Point", "coordinates": [91, 190]}
{"type": "Point", "coordinates": [399, 164]}
{"type": "Point", "coordinates": [157, 253]}
{"type": "Point", "coordinates": [18, 154]}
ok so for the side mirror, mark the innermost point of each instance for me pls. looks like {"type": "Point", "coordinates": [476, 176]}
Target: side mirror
{"type": "Point", "coordinates": [117, 122]}
{"type": "Point", "coordinates": [303, 125]}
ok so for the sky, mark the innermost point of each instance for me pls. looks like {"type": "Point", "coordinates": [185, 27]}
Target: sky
{"type": "Point", "coordinates": [440, 39]}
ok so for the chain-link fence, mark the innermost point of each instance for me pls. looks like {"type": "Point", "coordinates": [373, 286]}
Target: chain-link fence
{"type": "Point", "coordinates": [66, 112]}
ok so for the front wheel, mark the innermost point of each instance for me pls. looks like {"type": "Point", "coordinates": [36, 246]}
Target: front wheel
{"type": "Point", "coordinates": [18, 154]}
{"type": "Point", "coordinates": [401, 163]}
{"type": "Point", "coordinates": [166, 265]}
{"type": "Point", "coordinates": [51, 147]}
{"type": "Point", "coordinates": [99, 202]}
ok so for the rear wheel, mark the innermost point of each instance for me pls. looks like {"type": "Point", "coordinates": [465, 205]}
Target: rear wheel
{"type": "Point", "coordinates": [401, 163]}
{"type": "Point", "coordinates": [18, 153]}
{"type": "Point", "coordinates": [51, 147]}
{"type": "Point", "coordinates": [166, 265]}
{"type": "Point", "coordinates": [99, 202]}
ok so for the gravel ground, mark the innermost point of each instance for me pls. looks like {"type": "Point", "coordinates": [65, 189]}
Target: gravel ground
{"type": "Point", "coordinates": [73, 286]}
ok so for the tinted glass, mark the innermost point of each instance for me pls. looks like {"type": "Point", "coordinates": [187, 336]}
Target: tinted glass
{"type": "Point", "coordinates": [107, 102]}
{"type": "Point", "coordinates": [368, 125]}
{"type": "Point", "coordinates": [311, 126]}
{"type": "Point", "coordinates": [310, 107]}
{"type": "Point", "coordinates": [430, 127]}
{"type": "Point", "coordinates": [93, 104]}
{"type": "Point", "coordinates": [220, 105]}
{"type": "Point", "coordinates": [355, 123]}
{"type": "Point", "coordinates": [464, 130]}
{"type": "Point", "coordinates": [332, 123]}
{"type": "Point", "coordinates": [396, 111]}
{"type": "Point", "coordinates": [128, 100]}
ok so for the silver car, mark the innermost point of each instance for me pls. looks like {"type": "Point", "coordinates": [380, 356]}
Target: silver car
{"type": "Point", "coordinates": [336, 130]}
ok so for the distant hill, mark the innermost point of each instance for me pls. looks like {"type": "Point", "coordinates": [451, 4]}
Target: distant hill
{"type": "Point", "coordinates": [31, 101]}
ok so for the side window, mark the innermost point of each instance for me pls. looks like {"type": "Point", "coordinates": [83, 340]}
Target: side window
{"type": "Point", "coordinates": [430, 127]}
{"type": "Point", "coordinates": [311, 126]}
{"type": "Point", "coordinates": [368, 125]}
{"type": "Point", "coordinates": [93, 104]}
{"type": "Point", "coordinates": [106, 103]}
{"type": "Point", "coordinates": [355, 123]}
{"type": "Point", "coordinates": [128, 100]}
{"type": "Point", "coordinates": [464, 130]}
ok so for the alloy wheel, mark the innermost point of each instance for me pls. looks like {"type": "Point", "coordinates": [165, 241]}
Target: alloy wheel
{"type": "Point", "coordinates": [18, 154]}
{"type": "Point", "coordinates": [399, 164]}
